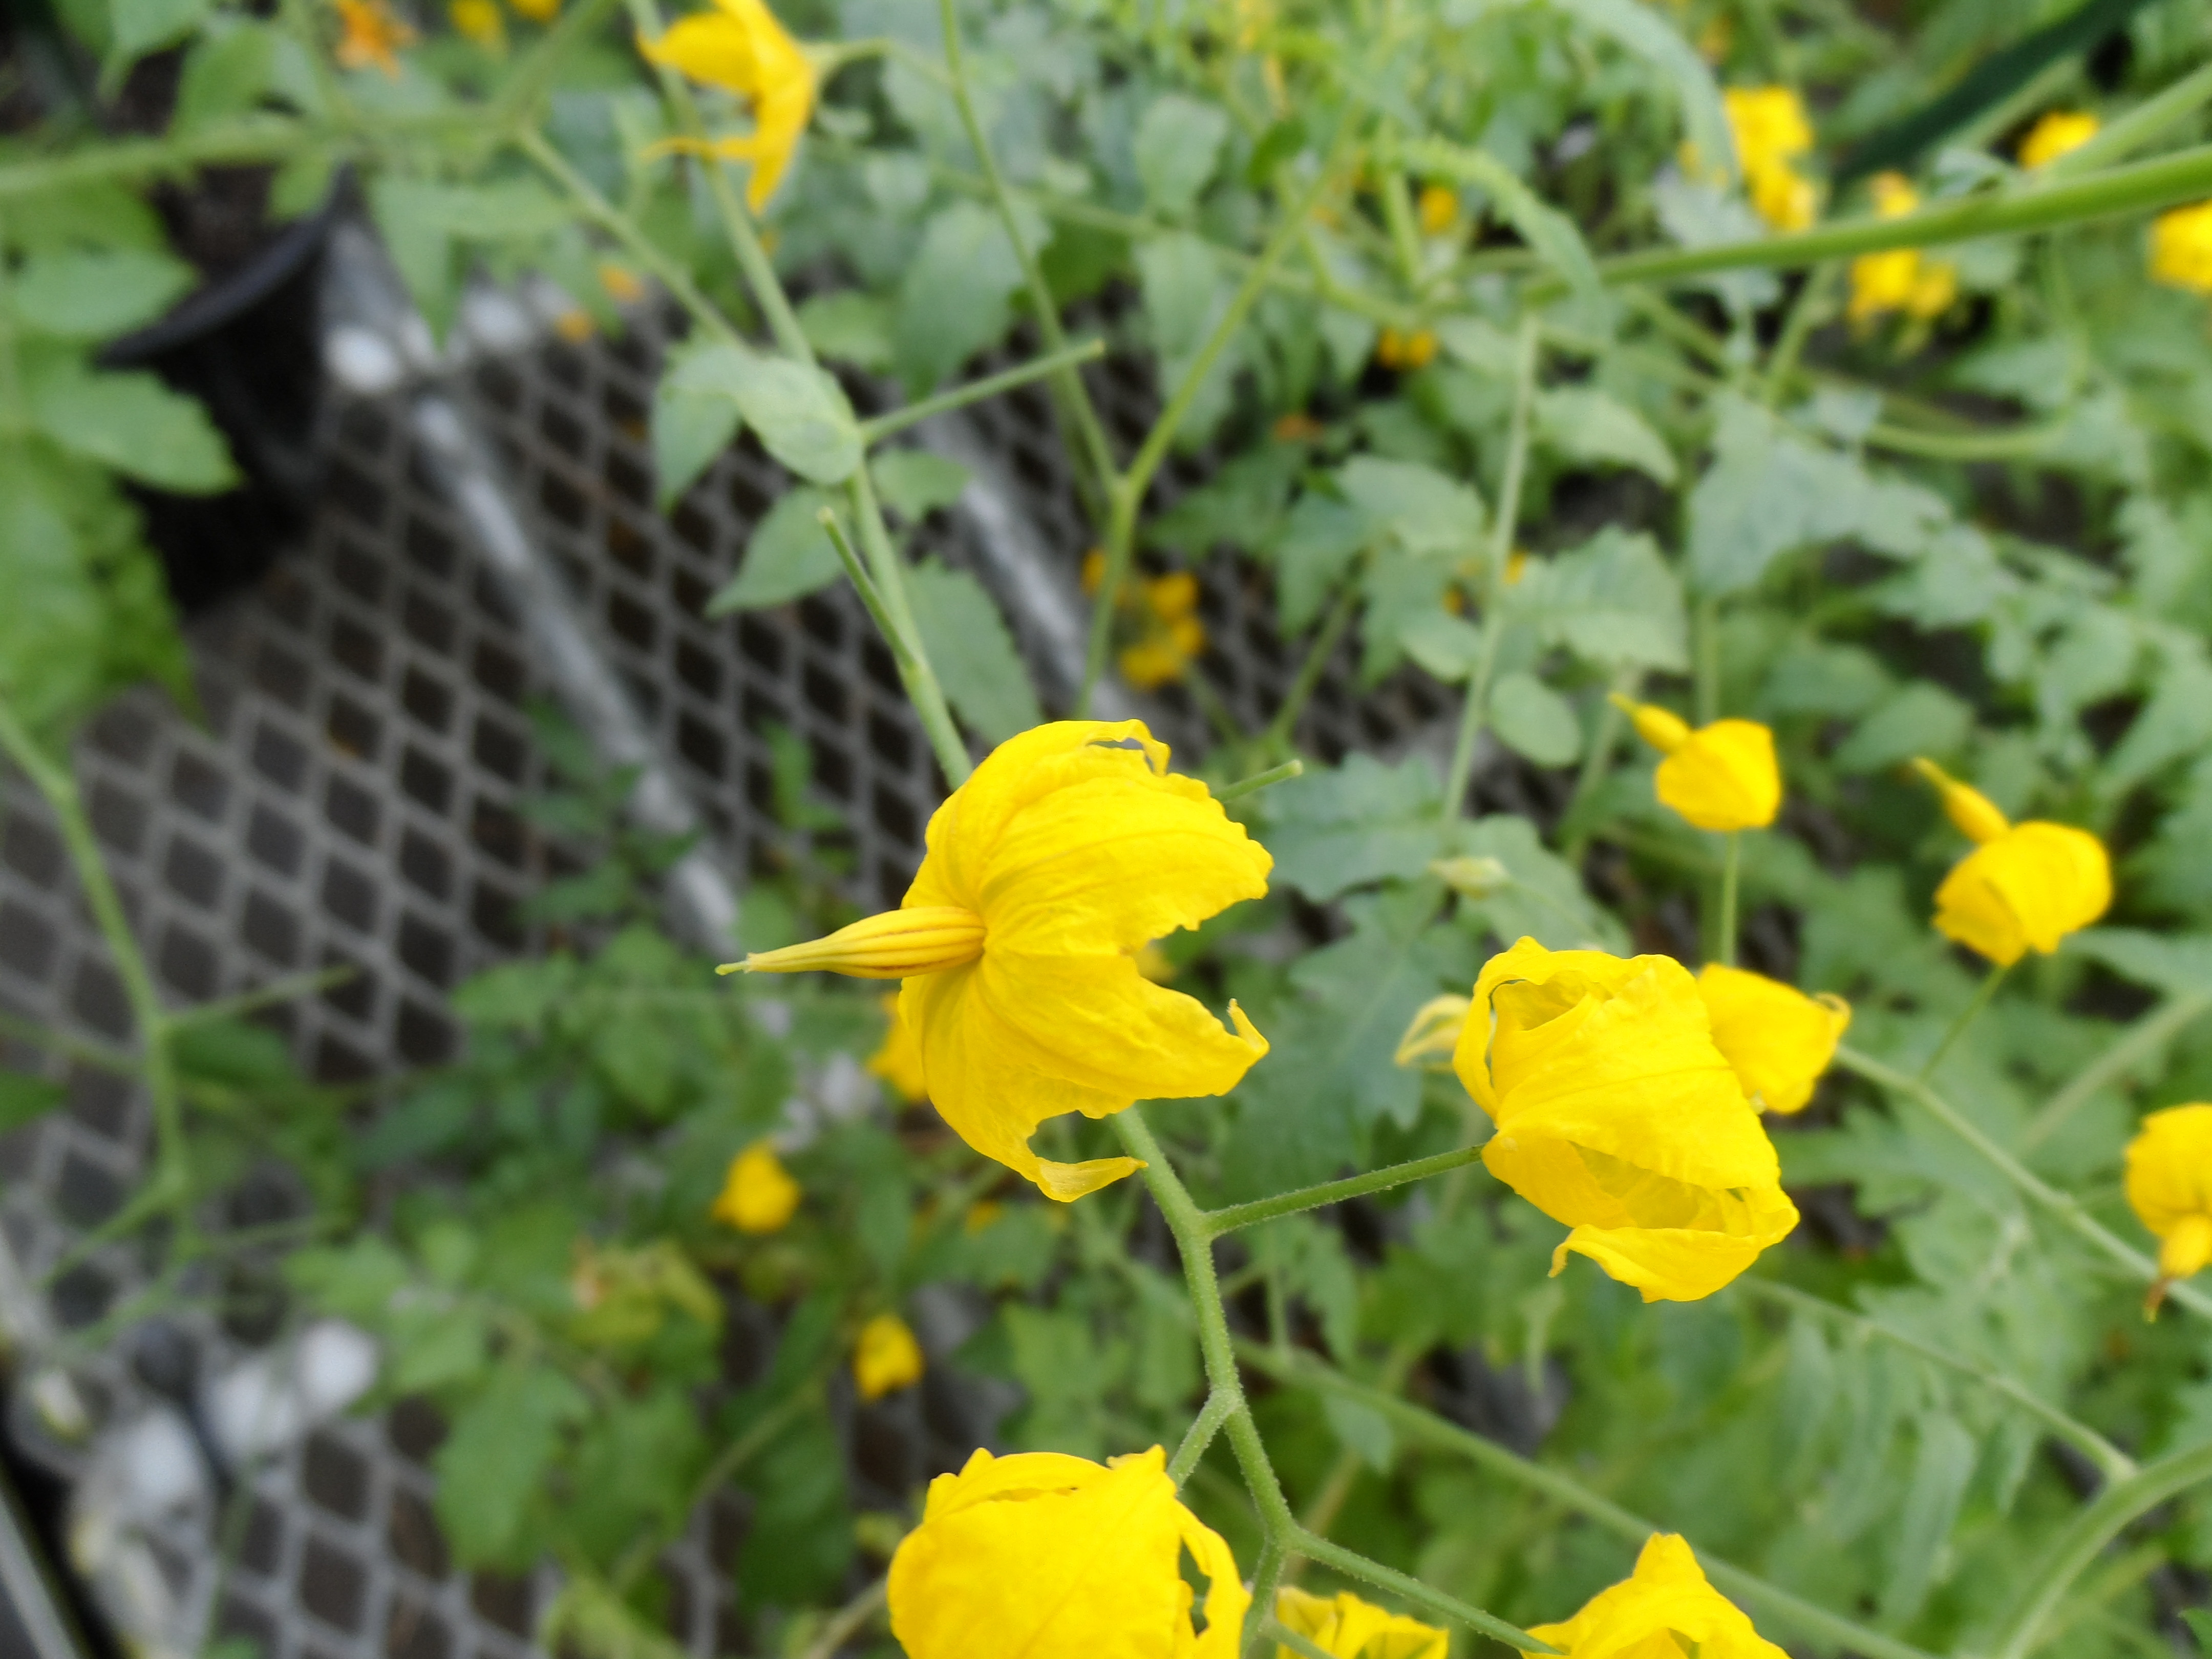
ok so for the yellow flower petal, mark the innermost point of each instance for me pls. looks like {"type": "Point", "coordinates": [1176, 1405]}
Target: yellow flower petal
{"type": "Point", "coordinates": [2181, 248]}
{"type": "Point", "coordinates": [1721, 776]}
{"type": "Point", "coordinates": [740, 47]}
{"type": "Point", "coordinates": [2025, 890]}
{"type": "Point", "coordinates": [1662, 1610]}
{"type": "Point", "coordinates": [898, 1061]}
{"type": "Point", "coordinates": [1052, 1557]}
{"type": "Point", "coordinates": [2054, 135]}
{"type": "Point", "coordinates": [2169, 1168]}
{"type": "Point", "coordinates": [1768, 124]}
{"type": "Point", "coordinates": [1616, 1115]}
{"type": "Point", "coordinates": [1349, 1628]}
{"type": "Point", "coordinates": [1436, 209]}
{"type": "Point", "coordinates": [886, 1358]}
{"type": "Point", "coordinates": [758, 1195]}
{"type": "Point", "coordinates": [1778, 1040]}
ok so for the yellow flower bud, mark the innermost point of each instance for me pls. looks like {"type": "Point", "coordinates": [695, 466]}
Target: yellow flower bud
{"type": "Point", "coordinates": [2054, 135]}
{"type": "Point", "coordinates": [1054, 1556]}
{"type": "Point", "coordinates": [1666, 1606]}
{"type": "Point", "coordinates": [1436, 209]}
{"type": "Point", "coordinates": [1721, 776]}
{"type": "Point", "coordinates": [2025, 887]}
{"type": "Point", "coordinates": [1433, 1034]}
{"type": "Point", "coordinates": [898, 1061]}
{"type": "Point", "coordinates": [758, 1195]}
{"type": "Point", "coordinates": [1348, 1628]}
{"type": "Point", "coordinates": [2169, 1187]}
{"type": "Point", "coordinates": [1471, 877]}
{"type": "Point", "coordinates": [886, 1358]}
{"type": "Point", "coordinates": [1070, 848]}
{"type": "Point", "coordinates": [1777, 1040]}
{"type": "Point", "coordinates": [1617, 1115]}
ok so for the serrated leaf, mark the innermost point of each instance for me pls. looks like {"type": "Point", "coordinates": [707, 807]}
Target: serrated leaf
{"type": "Point", "coordinates": [695, 412]}
{"type": "Point", "coordinates": [788, 555]}
{"type": "Point", "coordinates": [1334, 830]}
{"type": "Point", "coordinates": [914, 482]}
{"type": "Point", "coordinates": [974, 654]}
{"type": "Point", "coordinates": [490, 1466]}
{"type": "Point", "coordinates": [1534, 720]}
{"type": "Point", "coordinates": [1322, 535]}
{"type": "Point", "coordinates": [953, 299]}
{"type": "Point", "coordinates": [1448, 647]}
{"type": "Point", "coordinates": [1585, 424]}
{"type": "Point", "coordinates": [137, 27]}
{"type": "Point", "coordinates": [1428, 513]}
{"type": "Point", "coordinates": [1177, 147]}
{"type": "Point", "coordinates": [2178, 964]}
{"type": "Point", "coordinates": [1551, 234]}
{"type": "Point", "coordinates": [1922, 719]}
{"type": "Point", "coordinates": [86, 295]}
{"type": "Point", "coordinates": [851, 327]}
{"type": "Point", "coordinates": [801, 418]}
{"type": "Point", "coordinates": [1542, 896]}
{"type": "Point", "coordinates": [1613, 600]}
{"type": "Point", "coordinates": [225, 75]}
{"type": "Point", "coordinates": [132, 423]}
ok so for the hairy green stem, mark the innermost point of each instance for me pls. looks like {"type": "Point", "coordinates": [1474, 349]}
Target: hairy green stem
{"type": "Point", "coordinates": [2063, 1208]}
{"type": "Point", "coordinates": [1216, 1223]}
{"type": "Point", "coordinates": [1203, 1427]}
{"type": "Point", "coordinates": [1731, 871]}
{"type": "Point", "coordinates": [1475, 712]}
{"type": "Point", "coordinates": [1353, 1565]}
{"type": "Point", "coordinates": [2146, 1037]}
{"type": "Point", "coordinates": [915, 673]}
{"type": "Point", "coordinates": [2085, 1536]}
{"type": "Point", "coordinates": [1968, 1016]}
{"type": "Point", "coordinates": [2116, 1464]}
{"type": "Point", "coordinates": [975, 392]}
{"type": "Point", "coordinates": [1258, 780]}
{"type": "Point", "coordinates": [1815, 1623]}
{"type": "Point", "coordinates": [1129, 490]}
{"type": "Point", "coordinates": [1068, 389]}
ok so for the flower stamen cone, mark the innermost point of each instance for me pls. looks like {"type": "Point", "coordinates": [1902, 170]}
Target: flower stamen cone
{"type": "Point", "coordinates": [894, 945]}
{"type": "Point", "coordinates": [1972, 813]}
{"type": "Point", "coordinates": [1433, 1032]}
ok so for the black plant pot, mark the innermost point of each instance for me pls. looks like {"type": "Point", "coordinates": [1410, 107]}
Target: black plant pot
{"type": "Point", "coordinates": [248, 345]}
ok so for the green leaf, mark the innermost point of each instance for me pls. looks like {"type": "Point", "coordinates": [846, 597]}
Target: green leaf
{"type": "Point", "coordinates": [84, 213]}
{"type": "Point", "coordinates": [51, 619]}
{"type": "Point", "coordinates": [1542, 896]}
{"type": "Point", "coordinates": [129, 420]}
{"type": "Point", "coordinates": [2200, 1626]}
{"type": "Point", "coordinates": [84, 296]}
{"type": "Point", "coordinates": [435, 1347]}
{"type": "Point", "coordinates": [412, 220]}
{"type": "Point", "coordinates": [802, 418]}
{"type": "Point", "coordinates": [1322, 535]}
{"type": "Point", "coordinates": [849, 326]}
{"type": "Point", "coordinates": [1177, 147]}
{"type": "Point", "coordinates": [1585, 424]}
{"type": "Point", "coordinates": [787, 556]}
{"type": "Point", "coordinates": [137, 27]}
{"type": "Point", "coordinates": [695, 412]}
{"type": "Point", "coordinates": [1532, 719]}
{"type": "Point", "coordinates": [1941, 1466]}
{"type": "Point", "coordinates": [1334, 830]}
{"type": "Point", "coordinates": [1362, 1430]}
{"type": "Point", "coordinates": [1652, 37]}
{"type": "Point", "coordinates": [914, 482]}
{"type": "Point", "coordinates": [1180, 278]}
{"type": "Point", "coordinates": [1813, 677]}
{"type": "Point", "coordinates": [953, 300]}
{"type": "Point", "coordinates": [1613, 600]}
{"type": "Point", "coordinates": [2176, 963]}
{"type": "Point", "coordinates": [233, 1054]}
{"type": "Point", "coordinates": [1550, 233]}
{"type": "Point", "coordinates": [517, 996]}
{"type": "Point", "coordinates": [490, 1466]}
{"type": "Point", "coordinates": [1448, 647]}
{"type": "Point", "coordinates": [800, 1539]}
{"type": "Point", "coordinates": [25, 1099]}
{"type": "Point", "coordinates": [225, 75]}
{"type": "Point", "coordinates": [1428, 513]}
{"type": "Point", "coordinates": [1924, 719]}
{"type": "Point", "coordinates": [975, 656]}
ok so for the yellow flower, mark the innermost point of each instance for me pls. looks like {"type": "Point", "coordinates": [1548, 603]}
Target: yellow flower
{"type": "Point", "coordinates": [1071, 848]}
{"type": "Point", "coordinates": [1349, 1628]}
{"type": "Point", "coordinates": [1771, 131]}
{"type": "Point", "coordinates": [1437, 208]}
{"type": "Point", "coordinates": [2181, 248]}
{"type": "Point", "coordinates": [886, 1358]}
{"type": "Point", "coordinates": [740, 47]}
{"type": "Point", "coordinates": [1721, 776]}
{"type": "Point", "coordinates": [620, 282]}
{"type": "Point", "coordinates": [1778, 1040]}
{"type": "Point", "coordinates": [372, 35]}
{"type": "Point", "coordinates": [898, 1061]}
{"type": "Point", "coordinates": [2025, 887]}
{"type": "Point", "coordinates": [758, 1195]}
{"type": "Point", "coordinates": [2058, 132]}
{"type": "Point", "coordinates": [1397, 348]}
{"type": "Point", "coordinates": [1432, 1034]}
{"type": "Point", "coordinates": [537, 11]}
{"type": "Point", "coordinates": [1170, 636]}
{"type": "Point", "coordinates": [1900, 279]}
{"type": "Point", "coordinates": [2170, 1189]}
{"type": "Point", "coordinates": [1052, 1557]}
{"type": "Point", "coordinates": [1616, 1115]}
{"type": "Point", "coordinates": [1664, 1610]}
{"type": "Point", "coordinates": [479, 21]}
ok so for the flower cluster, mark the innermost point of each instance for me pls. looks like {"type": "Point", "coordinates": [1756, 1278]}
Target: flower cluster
{"type": "Point", "coordinates": [1771, 132]}
{"type": "Point", "coordinates": [1161, 633]}
{"type": "Point", "coordinates": [1900, 279]}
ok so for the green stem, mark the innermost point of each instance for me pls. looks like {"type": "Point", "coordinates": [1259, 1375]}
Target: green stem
{"type": "Point", "coordinates": [1129, 490]}
{"type": "Point", "coordinates": [2010, 444]}
{"type": "Point", "coordinates": [1207, 1423]}
{"type": "Point", "coordinates": [1968, 1016]}
{"type": "Point", "coordinates": [1815, 1623]}
{"type": "Point", "coordinates": [2044, 202]}
{"type": "Point", "coordinates": [1730, 871]}
{"type": "Point", "coordinates": [2138, 127]}
{"type": "Point", "coordinates": [1276, 1631]}
{"type": "Point", "coordinates": [975, 392]}
{"type": "Point", "coordinates": [915, 673]}
{"type": "Point", "coordinates": [2093, 1528]}
{"type": "Point", "coordinates": [1807, 313]}
{"type": "Point", "coordinates": [171, 1183]}
{"type": "Point", "coordinates": [1355, 1566]}
{"type": "Point", "coordinates": [2145, 1038]}
{"type": "Point", "coordinates": [2063, 1208]}
{"type": "Point", "coordinates": [2116, 1464]}
{"type": "Point", "coordinates": [1705, 667]}
{"type": "Point", "coordinates": [290, 988]}
{"type": "Point", "coordinates": [1216, 1223]}
{"type": "Point", "coordinates": [533, 75]}
{"type": "Point", "coordinates": [1258, 780]}
{"type": "Point", "coordinates": [1604, 742]}
{"type": "Point", "coordinates": [1475, 712]}
{"type": "Point", "coordinates": [1317, 662]}
{"type": "Point", "coordinates": [1068, 389]}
